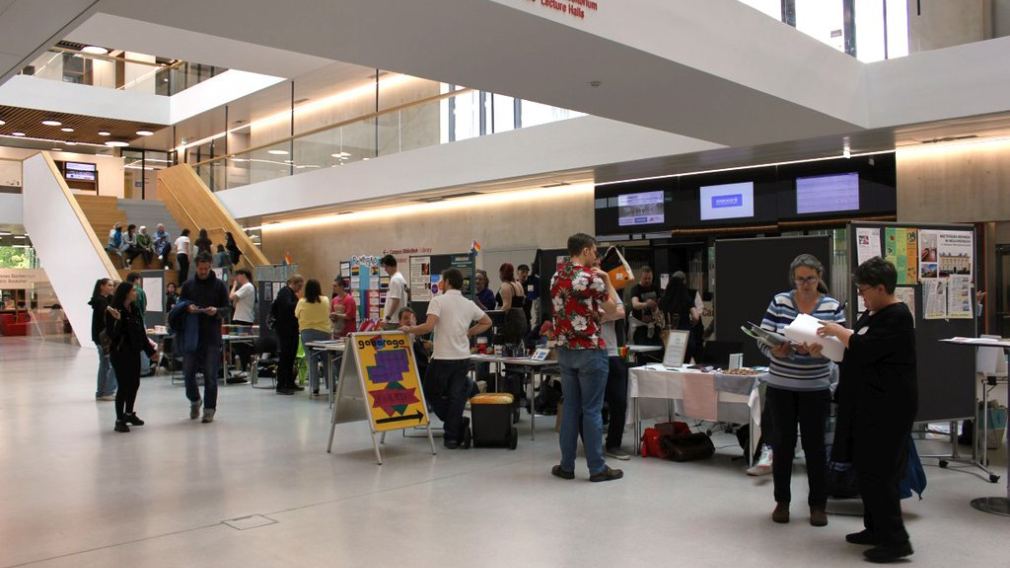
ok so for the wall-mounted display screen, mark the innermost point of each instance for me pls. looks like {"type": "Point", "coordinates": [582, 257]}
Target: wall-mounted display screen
{"type": "Point", "coordinates": [827, 194]}
{"type": "Point", "coordinates": [644, 208]}
{"type": "Point", "coordinates": [727, 201]}
{"type": "Point", "coordinates": [80, 171]}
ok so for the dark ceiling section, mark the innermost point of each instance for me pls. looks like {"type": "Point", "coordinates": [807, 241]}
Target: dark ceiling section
{"type": "Point", "coordinates": [86, 128]}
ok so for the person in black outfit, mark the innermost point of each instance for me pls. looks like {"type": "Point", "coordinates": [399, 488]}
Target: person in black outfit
{"type": "Point", "coordinates": [203, 243]}
{"type": "Point", "coordinates": [286, 325]}
{"type": "Point", "coordinates": [125, 327]}
{"type": "Point", "coordinates": [677, 307]}
{"type": "Point", "coordinates": [644, 308]}
{"type": "Point", "coordinates": [232, 247]}
{"type": "Point", "coordinates": [171, 296]}
{"type": "Point", "coordinates": [100, 297]}
{"type": "Point", "coordinates": [209, 301]}
{"type": "Point", "coordinates": [877, 402]}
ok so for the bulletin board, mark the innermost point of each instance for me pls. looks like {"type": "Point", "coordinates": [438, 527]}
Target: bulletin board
{"type": "Point", "coordinates": [428, 269]}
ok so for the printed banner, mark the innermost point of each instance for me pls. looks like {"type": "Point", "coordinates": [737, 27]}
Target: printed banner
{"type": "Point", "coordinates": [389, 374]}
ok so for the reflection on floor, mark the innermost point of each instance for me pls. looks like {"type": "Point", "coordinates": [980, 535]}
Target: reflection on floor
{"type": "Point", "coordinates": [256, 488]}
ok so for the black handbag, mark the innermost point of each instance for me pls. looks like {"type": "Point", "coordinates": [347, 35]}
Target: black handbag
{"type": "Point", "coordinates": [687, 447]}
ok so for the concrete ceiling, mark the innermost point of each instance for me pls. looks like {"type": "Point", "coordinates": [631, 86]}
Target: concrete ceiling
{"type": "Point", "coordinates": [29, 27]}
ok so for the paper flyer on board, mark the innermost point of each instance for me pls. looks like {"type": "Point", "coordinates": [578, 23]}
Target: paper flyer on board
{"type": "Point", "coordinates": [955, 254]}
{"type": "Point", "coordinates": [420, 276]}
{"type": "Point", "coordinates": [934, 298]}
{"type": "Point", "coordinates": [901, 249]}
{"type": "Point", "coordinates": [907, 295]}
{"type": "Point", "coordinates": [960, 304]}
{"type": "Point", "coordinates": [867, 243]}
{"type": "Point", "coordinates": [928, 267]}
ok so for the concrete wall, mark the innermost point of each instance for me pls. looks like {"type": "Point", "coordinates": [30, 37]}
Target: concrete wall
{"type": "Point", "coordinates": [518, 220]}
{"type": "Point", "coordinates": [110, 168]}
{"type": "Point", "coordinates": [943, 23]}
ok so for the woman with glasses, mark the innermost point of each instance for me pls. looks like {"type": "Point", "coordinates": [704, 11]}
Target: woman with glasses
{"type": "Point", "coordinates": [799, 386]}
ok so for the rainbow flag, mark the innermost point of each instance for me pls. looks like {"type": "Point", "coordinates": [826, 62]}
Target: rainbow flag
{"type": "Point", "coordinates": [474, 246]}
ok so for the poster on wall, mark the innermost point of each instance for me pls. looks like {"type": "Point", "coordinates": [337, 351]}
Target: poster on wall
{"type": "Point", "coordinates": [934, 299]}
{"type": "Point", "coordinates": [905, 294]}
{"type": "Point", "coordinates": [954, 253]}
{"type": "Point", "coordinates": [959, 298]}
{"type": "Point", "coordinates": [420, 277]}
{"type": "Point", "coordinates": [901, 248]}
{"type": "Point", "coordinates": [867, 243]}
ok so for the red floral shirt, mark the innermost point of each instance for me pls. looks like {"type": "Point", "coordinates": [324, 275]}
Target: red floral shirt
{"type": "Point", "coordinates": [576, 293]}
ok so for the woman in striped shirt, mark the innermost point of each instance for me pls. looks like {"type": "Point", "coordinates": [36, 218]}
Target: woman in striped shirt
{"type": "Point", "coordinates": [799, 387]}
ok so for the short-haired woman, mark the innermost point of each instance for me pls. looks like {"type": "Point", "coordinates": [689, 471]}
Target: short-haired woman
{"type": "Point", "coordinates": [877, 401]}
{"type": "Point", "coordinates": [313, 313]}
{"type": "Point", "coordinates": [799, 384]}
{"type": "Point", "coordinates": [124, 324]}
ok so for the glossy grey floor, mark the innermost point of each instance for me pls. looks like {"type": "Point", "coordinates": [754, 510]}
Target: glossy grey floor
{"type": "Point", "coordinates": [75, 493]}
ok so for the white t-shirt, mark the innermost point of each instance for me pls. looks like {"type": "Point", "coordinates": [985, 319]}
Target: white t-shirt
{"type": "Point", "coordinates": [608, 331]}
{"type": "Point", "coordinates": [245, 302]}
{"type": "Point", "coordinates": [182, 246]}
{"type": "Point", "coordinates": [397, 289]}
{"type": "Point", "coordinates": [455, 314]}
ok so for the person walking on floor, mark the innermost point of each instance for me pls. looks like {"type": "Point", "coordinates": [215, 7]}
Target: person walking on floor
{"type": "Point", "coordinates": [313, 315]}
{"type": "Point", "coordinates": [877, 402]}
{"type": "Point", "coordinates": [207, 299]}
{"type": "Point", "coordinates": [799, 384]}
{"type": "Point", "coordinates": [579, 294]}
{"type": "Point", "coordinates": [125, 328]}
{"type": "Point", "coordinates": [183, 249]}
{"type": "Point", "coordinates": [282, 311]}
{"type": "Point", "coordinates": [100, 298]}
{"type": "Point", "coordinates": [446, 382]}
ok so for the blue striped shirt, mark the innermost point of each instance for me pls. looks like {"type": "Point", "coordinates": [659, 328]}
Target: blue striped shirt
{"type": "Point", "coordinates": [799, 372]}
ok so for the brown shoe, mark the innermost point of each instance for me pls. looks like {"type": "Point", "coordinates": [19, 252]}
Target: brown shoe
{"type": "Point", "coordinates": [781, 513]}
{"type": "Point", "coordinates": [818, 517]}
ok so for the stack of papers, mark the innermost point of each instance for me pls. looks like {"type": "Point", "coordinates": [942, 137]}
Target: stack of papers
{"type": "Point", "coordinates": [763, 336]}
{"type": "Point", "coordinates": [804, 330]}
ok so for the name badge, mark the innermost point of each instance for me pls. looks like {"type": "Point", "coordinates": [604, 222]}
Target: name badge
{"type": "Point", "coordinates": [863, 331]}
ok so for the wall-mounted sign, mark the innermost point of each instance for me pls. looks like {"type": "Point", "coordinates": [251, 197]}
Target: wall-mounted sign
{"type": "Point", "coordinates": [21, 278]}
{"type": "Point", "coordinates": [575, 8]}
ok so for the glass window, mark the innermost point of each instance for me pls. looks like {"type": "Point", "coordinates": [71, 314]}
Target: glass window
{"type": "Point", "coordinates": [823, 20]}
{"type": "Point", "coordinates": [504, 113]}
{"type": "Point", "coordinates": [897, 28]}
{"type": "Point", "coordinates": [869, 16]}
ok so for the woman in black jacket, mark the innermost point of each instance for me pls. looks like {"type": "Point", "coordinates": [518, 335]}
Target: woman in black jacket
{"type": "Point", "coordinates": [877, 402]}
{"type": "Point", "coordinates": [232, 247]}
{"type": "Point", "coordinates": [104, 287]}
{"type": "Point", "coordinates": [203, 243]}
{"type": "Point", "coordinates": [125, 327]}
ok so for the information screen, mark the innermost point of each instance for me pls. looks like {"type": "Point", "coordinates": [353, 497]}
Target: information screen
{"type": "Point", "coordinates": [727, 201]}
{"type": "Point", "coordinates": [827, 194]}
{"type": "Point", "coordinates": [80, 171]}
{"type": "Point", "coordinates": [640, 209]}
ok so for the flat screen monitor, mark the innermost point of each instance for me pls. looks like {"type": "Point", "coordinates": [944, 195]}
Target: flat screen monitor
{"type": "Point", "coordinates": [644, 208]}
{"type": "Point", "coordinates": [827, 194]}
{"type": "Point", "coordinates": [727, 201]}
{"type": "Point", "coordinates": [80, 171]}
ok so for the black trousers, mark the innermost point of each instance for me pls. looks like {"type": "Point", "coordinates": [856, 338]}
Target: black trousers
{"type": "Point", "coordinates": [880, 456]}
{"type": "Point", "coordinates": [446, 388]}
{"type": "Point", "coordinates": [183, 260]}
{"type": "Point", "coordinates": [287, 344]}
{"type": "Point", "coordinates": [127, 366]}
{"type": "Point", "coordinates": [809, 409]}
{"type": "Point", "coordinates": [616, 398]}
{"type": "Point", "coordinates": [243, 350]}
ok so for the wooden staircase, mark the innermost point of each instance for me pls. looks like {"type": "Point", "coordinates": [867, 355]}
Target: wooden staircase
{"type": "Point", "coordinates": [195, 207]}
{"type": "Point", "coordinates": [102, 214]}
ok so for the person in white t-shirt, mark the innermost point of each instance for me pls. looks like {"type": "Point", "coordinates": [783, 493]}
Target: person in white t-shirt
{"type": "Point", "coordinates": [446, 385]}
{"type": "Point", "coordinates": [243, 296]}
{"type": "Point", "coordinates": [396, 296]}
{"type": "Point", "coordinates": [182, 250]}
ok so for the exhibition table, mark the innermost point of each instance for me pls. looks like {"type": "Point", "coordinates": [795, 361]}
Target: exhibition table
{"type": "Point", "coordinates": [529, 366]}
{"type": "Point", "coordinates": [715, 397]}
{"type": "Point", "coordinates": [334, 348]}
{"type": "Point", "coordinates": [994, 505]}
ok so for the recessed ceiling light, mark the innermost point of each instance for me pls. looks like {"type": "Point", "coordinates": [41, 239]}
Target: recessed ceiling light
{"type": "Point", "coordinates": [3, 122]}
{"type": "Point", "coordinates": [67, 129]}
{"type": "Point", "coordinates": [341, 155]}
{"type": "Point", "coordinates": [278, 152]}
{"type": "Point", "coordinates": [51, 122]}
{"type": "Point", "coordinates": [144, 133]}
{"type": "Point", "coordinates": [70, 143]}
{"type": "Point", "coordinates": [17, 133]}
{"type": "Point", "coordinates": [95, 50]}
{"type": "Point", "coordinates": [117, 143]}
{"type": "Point", "coordinates": [104, 133]}
{"type": "Point", "coordinates": [56, 149]}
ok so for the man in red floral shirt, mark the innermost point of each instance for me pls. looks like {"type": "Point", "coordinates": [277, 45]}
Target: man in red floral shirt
{"type": "Point", "coordinates": [580, 293]}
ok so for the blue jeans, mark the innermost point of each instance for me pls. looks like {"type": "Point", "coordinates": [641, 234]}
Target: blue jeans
{"type": "Point", "coordinates": [584, 382]}
{"type": "Point", "coordinates": [107, 383]}
{"type": "Point", "coordinates": [207, 358]}
{"type": "Point", "coordinates": [316, 356]}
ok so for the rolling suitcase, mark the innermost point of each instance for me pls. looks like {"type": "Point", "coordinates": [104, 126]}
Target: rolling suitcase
{"type": "Point", "coordinates": [491, 421]}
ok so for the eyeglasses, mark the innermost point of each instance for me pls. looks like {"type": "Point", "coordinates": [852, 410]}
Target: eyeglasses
{"type": "Point", "coordinates": [862, 289]}
{"type": "Point", "coordinates": [807, 280]}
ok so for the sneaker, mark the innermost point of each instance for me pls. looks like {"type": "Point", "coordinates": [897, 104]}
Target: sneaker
{"type": "Point", "coordinates": [763, 465]}
{"type": "Point", "coordinates": [556, 471]}
{"type": "Point", "coordinates": [608, 474]}
{"type": "Point", "coordinates": [863, 537]}
{"type": "Point", "coordinates": [450, 444]}
{"type": "Point", "coordinates": [297, 388]}
{"type": "Point", "coordinates": [886, 553]}
{"type": "Point", "coordinates": [121, 426]}
{"type": "Point", "coordinates": [781, 513]}
{"type": "Point", "coordinates": [286, 392]}
{"type": "Point", "coordinates": [134, 420]}
{"type": "Point", "coordinates": [818, 517]}
{"type": "Point", "coordinates": [617, 454]}
{"type": "Point", "coordinates": [208, 415]}
{"type": "Point", "coordinates": [107, 397]}
{"type": "Point", "coordinates": [194, 410]}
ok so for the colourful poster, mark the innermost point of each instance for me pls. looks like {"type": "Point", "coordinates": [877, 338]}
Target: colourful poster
{"type": "Point", "coordinates": [389, 376]}
{"type": "Point", "coordinates": [955, 253]}
{"type": "Point", "coordinates": [901, 248]}
{"type": "Point", "coordinates": [911, 241]}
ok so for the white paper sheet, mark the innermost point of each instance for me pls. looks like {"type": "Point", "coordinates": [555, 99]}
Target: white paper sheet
{"type": "Point", "coordinates": [934, 298]}
{"type": "Point", "coordinates": [960, 304]}
{"type": "Point", "coordinates": [907, 295]}
{"type": "Point", "coordinates": [804, 330]}
{"type": "Point", "coordinates": [867, 244]}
